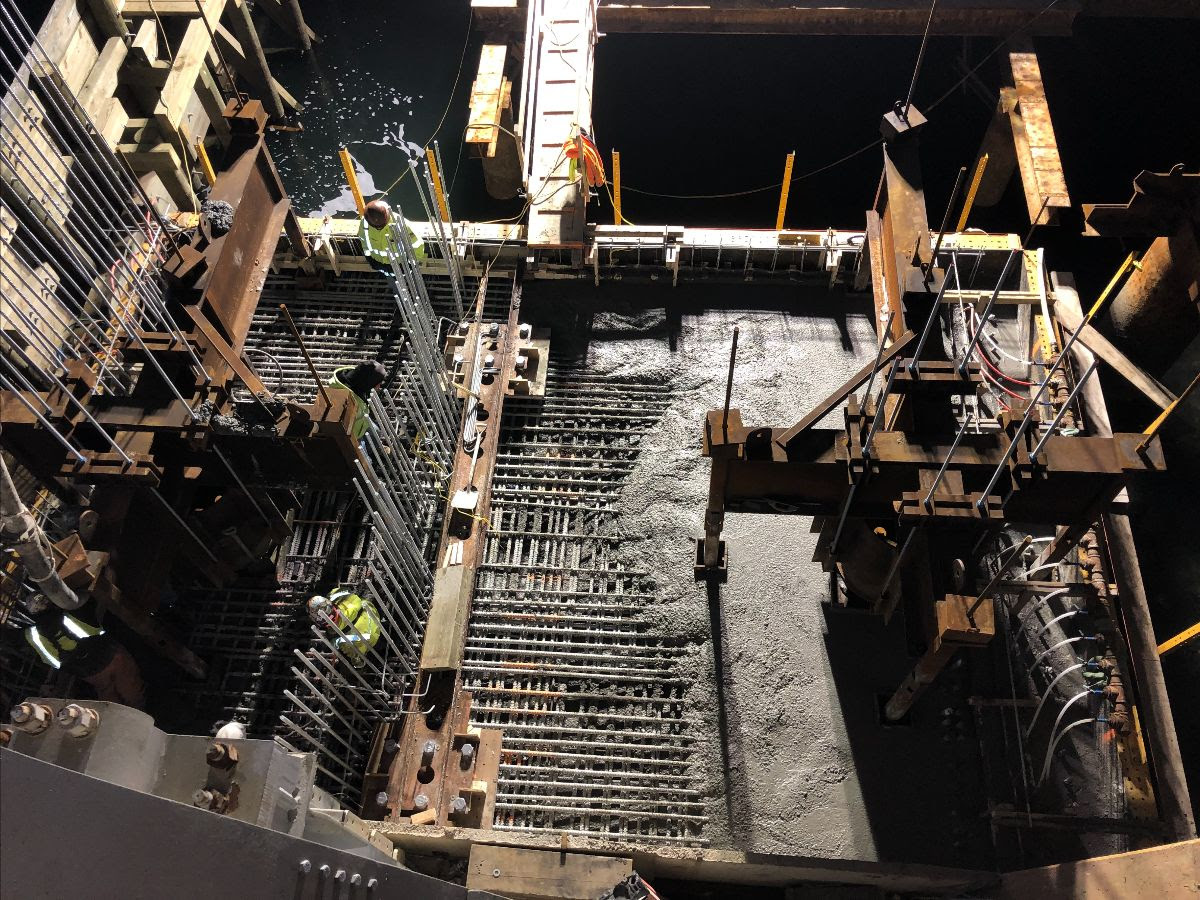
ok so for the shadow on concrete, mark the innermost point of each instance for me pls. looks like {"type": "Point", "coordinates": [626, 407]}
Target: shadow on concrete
{"type": "Point", "coordinates": [920, 782]}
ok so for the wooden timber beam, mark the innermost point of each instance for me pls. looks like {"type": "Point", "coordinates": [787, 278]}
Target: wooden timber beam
{"type": "Point", "coordinates": [287, 20]}
{"type": "Point", "coordinates": [185, 73]}
{"type": "Point", "coordinates": [486, 96]}
{"type": "Point", "coordinates": [235, 53]}
{"type": "Point", "coordinates": [1140, 873]}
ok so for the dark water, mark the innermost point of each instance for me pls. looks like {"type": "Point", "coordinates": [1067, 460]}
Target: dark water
{"type": "Point", "coordinates": [380, 83]}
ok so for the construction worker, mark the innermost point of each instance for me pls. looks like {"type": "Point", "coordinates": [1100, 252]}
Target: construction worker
{"type": "Point", "coordinates": [354, 619]}
{"type": "Point", "coordinates": [376, 236]}
{"type": "Point", "coordinates": [360, 380]}
{"type": "Point", "coordinates": [68, 641]}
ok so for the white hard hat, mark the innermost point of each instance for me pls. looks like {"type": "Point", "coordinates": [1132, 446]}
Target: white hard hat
{"type": "Point", "coordinates": [318, 604]}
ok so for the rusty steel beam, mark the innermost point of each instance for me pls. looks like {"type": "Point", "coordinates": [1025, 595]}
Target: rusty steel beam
{"type": "Point", "coordinates": [430, 770]}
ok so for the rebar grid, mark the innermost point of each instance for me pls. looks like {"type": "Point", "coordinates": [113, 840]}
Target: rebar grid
{"type": "Point", "coordinates": [272, 666]}
{"type": "Point", "coordinates": [589, 697]}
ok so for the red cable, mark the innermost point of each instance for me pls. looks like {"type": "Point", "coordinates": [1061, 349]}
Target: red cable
{"type": "Point", "coordinates": [988, 362]}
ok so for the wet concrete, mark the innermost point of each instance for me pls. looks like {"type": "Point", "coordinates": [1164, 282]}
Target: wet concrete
{"type": "Point", "coordinates": [792, 757]}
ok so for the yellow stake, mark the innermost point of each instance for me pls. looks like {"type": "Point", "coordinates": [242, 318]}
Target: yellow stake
{"type": "Point", "coordinates": [352, 180]}
{"type": "Point", "coordinates": [783, 194]}
{"type": "Point", "coordinates": [1152, 428]}
{"type": "Point", "coordinates": [1182, 638]}
{"type": "Point", "coordinates": [437, 184]}
{"type": "Point", "coordinates": [616, 159]}
{"type": "Point", "coordinates": [971, 192]}
{"type": "Point", "coordinates": [206, 164]}
{"type": "Point", "coordinates": [1129, 261]}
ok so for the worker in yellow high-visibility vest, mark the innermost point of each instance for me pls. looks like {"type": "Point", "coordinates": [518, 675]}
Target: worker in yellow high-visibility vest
{"type": "Point", "coordinates": [69, 641]}
{"type": "Point", "coordinates": [377, 240]}
{"type": "Point", "coordinates": [355, 623]}
{"type": "Point", "coordinates": [360, 380]}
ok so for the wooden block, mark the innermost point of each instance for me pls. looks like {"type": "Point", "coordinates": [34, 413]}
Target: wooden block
{"type": "Point", "coordinates": [144, 48]}
{"type": "Point", "coordinates": [448, 613]}
{"type": "Point", "coordinates": [486, 99]}
{"type": "Point", "coordinates": [138, 8]}
{"type": "Point", "coordinates": [542, 874]}
{"type": "Point", "coordinates": [102, 80]}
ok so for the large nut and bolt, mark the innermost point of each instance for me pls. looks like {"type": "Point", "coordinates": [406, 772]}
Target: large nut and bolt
{"type": "Point", "coordinates": [428, 750]}
{"type": "Point", "coordinates": [31, 718]}
{"type": "Point", "coordinates": [420, 802]}
{"type": "Point", "coordinates": [78, 721]}
{"type": "Point", "coordinates": [381, 798]}
{"type": "Point", "coordinates": [458, 805]}
{"type": "Point", "coordinates": [202, 798]}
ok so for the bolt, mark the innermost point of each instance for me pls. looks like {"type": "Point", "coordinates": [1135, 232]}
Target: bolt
{"type": "Point", "coordinates": [381, 798]}
{"type": "Point", "coordinates": [340, 876]}
{"type": "Point", "coordinates": [202, 798]}
{"type": "Point", "coordinates": [31, 718]}
{"type": "Point", "coordinates": [495, 873]}
{"type": "Point", "coordinates": [356, 879]}
{"type": "Point", "coordinates": [371, 884]}
{"type": "Point", "coordinates": [391, 745]}
{"type": "Point", "coordinates": [420, 802]}
{"type": "Point", "coordinates": [305, 866]}
{"type": "Point", "coordinates": [428, 750]}
{"type": "Point", "coordinates": [468, 751]}
{"type": "Point", "coordinates": [324, 870]}
{"type": "Point", "coordinates": [78, 721]}
{"type": "Point", "coordinates": [458, 805]}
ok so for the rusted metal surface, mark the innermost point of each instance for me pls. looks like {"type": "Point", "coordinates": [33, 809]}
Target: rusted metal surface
{"type": "Point", "coordinates": [1160, 202]}
{"type": "Point", "coordinates": [1155, 315]}
{"type": "Point", "coordinates": [430, 770]}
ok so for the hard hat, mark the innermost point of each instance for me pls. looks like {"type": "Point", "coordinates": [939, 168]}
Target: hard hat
{"type": "Point", "coordinates": [377, 213]}
{"type": "Point", "coordinates": [318, 604]}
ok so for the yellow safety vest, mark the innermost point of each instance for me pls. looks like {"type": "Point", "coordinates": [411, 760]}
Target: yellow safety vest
{"type": "Point", "coordinates": [50, 649]}
{"type": "Point", "coordinates": [361, 412]}
{"type": "Point", "coordinates": [359, 623]}
{"type": "Point", "coordinates": [377, 242]}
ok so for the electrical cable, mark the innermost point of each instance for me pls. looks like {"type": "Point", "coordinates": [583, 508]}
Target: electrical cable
{"type": "Point", "coordinates": [449, 102]}
{"type": "Point", "coordinates": [849, 156]}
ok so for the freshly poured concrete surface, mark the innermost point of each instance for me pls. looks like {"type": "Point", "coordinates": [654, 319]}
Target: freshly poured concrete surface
{"type": "Point", "coordinates": [806, 768]}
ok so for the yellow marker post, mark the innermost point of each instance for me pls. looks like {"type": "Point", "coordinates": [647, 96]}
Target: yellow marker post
{"type": "Point", "coordinates": [206, 164]}
{"type": "Point", "coordinates": [971, 192]}
{"type": "Point", "coordinates": [352, 180]}
{"type": "Point", "coordinates": [1179, 640]}
{"type": "Point", "coordinates": [1129, 261]}
{"type": "Point", "coordinates": [616, 161]}
{"type": "Point", "coordinates": [1182, 638]}
{"type": "Point", "coordinates": [437, 184]}
{"type": "Point", "coordinates": [783, 193]}
{"type": "Point", "coordinates": [1152, 428]}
